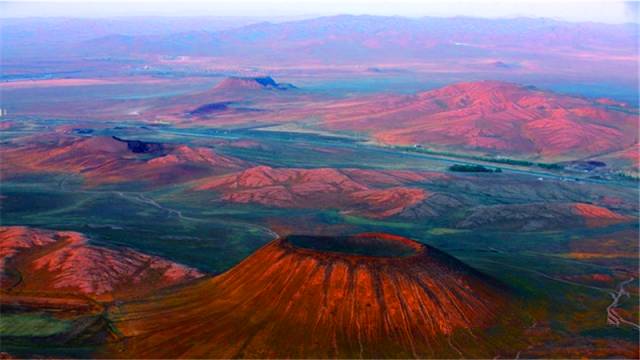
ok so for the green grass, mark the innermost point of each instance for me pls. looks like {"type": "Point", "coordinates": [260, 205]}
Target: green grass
{"type": "Point", "coordinates": [497, 160]}
{"type": "Point", "coordinates": [473, 168]}
{"type": "Point", "coordinates": [444, 231]}
{"type": "Point", "coordinates": [357, 220]}
{"type": "Point", "coordinates": [31, 325]}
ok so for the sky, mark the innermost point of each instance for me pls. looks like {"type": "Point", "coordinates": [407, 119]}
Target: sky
{"type": "Point", "coordinates": [569, 10]}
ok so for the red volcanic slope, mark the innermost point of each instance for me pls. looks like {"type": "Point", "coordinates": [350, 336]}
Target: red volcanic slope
{"type": "Point", "coordinates": [107, 160]}
{"type": "Point", "coordinates": [627, 159]}
{"type": "Point", "coordinates": [63, 262]}
{"type": "Point", "coordinates": [632, 155]}
{"type": "Point", "coordinates": [490, 116]}
{"type": "Point", "coordinates": [541, 216]}
{"type": "Point", "coordinates": [350, 190]}
{"type": "Point", "coordinates": [321, 298]}
{"type": "Point", "coordinates": [597, 216]}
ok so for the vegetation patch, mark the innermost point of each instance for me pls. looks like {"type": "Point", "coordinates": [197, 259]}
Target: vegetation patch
{"type": "Point", "coordinates": [31, 325]}
{"type": "Point", "coordinates": [473, 168]}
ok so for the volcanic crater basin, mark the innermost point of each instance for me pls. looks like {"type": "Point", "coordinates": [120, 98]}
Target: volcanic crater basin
{"type": "Point", "coordinates": [361, 245]}
{"type": "Point", "coordinates": [370, 295]}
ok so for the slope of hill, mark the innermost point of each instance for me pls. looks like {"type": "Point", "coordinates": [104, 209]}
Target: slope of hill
{"type": "Point", "coordinates": [317, 297]}
{"type": "Point", "coordinates": [36, 263]}
{"type": "Point", "coordinates": [101, 160]}
{"type": "Point", "coordinates": [627, 160]}
{"type": "Point", "coordinates": [350, 190]}
{"type": "Point", "coordinates": [491, 116]}
{"type": "Point", "coordinates": [541, 216]}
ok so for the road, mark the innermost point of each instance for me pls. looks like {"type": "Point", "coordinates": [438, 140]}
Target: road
{"type": "Point", "coordinates": [613, 318]}
{"type": "Point", "coordinates": [356, 143]}
{"type": "Point", "coordinates": [143, 199]}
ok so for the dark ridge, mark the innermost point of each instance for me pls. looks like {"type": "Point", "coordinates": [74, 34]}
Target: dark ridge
{"type": "Point", "coordinates": [211, 108]}
{"type": "Point", "coordinates": [596, 163]}
{"type": "Point", "coordinates": [589, 165]}
{"type": "Point", "coordinates": [504, 65]}
{"type": "Point", "coordinates": [214, 108]}
{"type": "Point", "coordinates": [473, 168]}
{"type": "Point", "coordinates": [266, 81]}
{"type": "Point", "coordinates": [83, 131]}
{"type": "Point", "coordinates": [141, 147]}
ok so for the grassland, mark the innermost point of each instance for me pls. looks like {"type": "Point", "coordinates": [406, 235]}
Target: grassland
{"type": "Point", "coordinates": [213, 235]}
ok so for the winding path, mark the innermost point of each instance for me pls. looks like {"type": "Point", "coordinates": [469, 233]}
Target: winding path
{"type": "Point", "coordinates": [141, 198]}
{"type": "Point", "coordinates": [613, 318]}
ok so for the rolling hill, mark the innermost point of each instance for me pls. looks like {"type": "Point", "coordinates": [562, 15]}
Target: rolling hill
{"type": "Point", "coordinates": [102, 159]}
{"type": "Point", "coordinates": [39, 265]}
{"type": "Point", "coordinates": [369, 193]}
{"type": "Point", "coordinates": [492, 117]}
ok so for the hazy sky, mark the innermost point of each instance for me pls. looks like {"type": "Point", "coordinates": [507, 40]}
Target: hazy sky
{"type": "Point", "coordinates": [571, 10]}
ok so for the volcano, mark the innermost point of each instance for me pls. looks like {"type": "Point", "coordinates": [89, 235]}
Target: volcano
{"type": "Point", "coordinates": [370, 295]}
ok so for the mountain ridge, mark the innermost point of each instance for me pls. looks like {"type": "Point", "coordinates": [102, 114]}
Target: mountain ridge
{"type": "Point", "coordinates": [493, 116]}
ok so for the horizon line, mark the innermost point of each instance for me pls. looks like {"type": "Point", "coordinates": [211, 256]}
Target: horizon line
{"type": "Point", "coordinates": [295, 18]}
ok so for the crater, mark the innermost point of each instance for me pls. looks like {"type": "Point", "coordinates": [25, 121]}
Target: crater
{"type": "Point", "coordinates": [378, 245]}
{"type": "Point", "coordinates": [372, 299]}
{"type": "Point", "coordinates": [141, 147]}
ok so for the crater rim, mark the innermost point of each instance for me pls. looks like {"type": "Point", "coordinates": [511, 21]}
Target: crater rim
{"type": "Point", "coordinates": [373, 245]}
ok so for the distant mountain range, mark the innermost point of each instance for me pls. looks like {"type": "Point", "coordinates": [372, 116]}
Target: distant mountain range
{"type": "Point", "coordinates": [30, 36]}
{"type": "Point", "coordinates": [600, 57]}
{"type": "Point", "coordinates": [338, 39]}
{"type": "Point", "coordinates": [354, 38]}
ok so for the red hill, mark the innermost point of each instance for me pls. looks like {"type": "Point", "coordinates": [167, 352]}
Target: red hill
{"type": "Point", "coordinates": [541, 216]}
{"type": "Point", "coordinates": [364, 296]}
{"type": "Point", "coordinates": [102, 159]}
{"type": "Point", "coordinates": [54, 263]}
{"type": "Point", "coordinates": [356, 191]}
{"type": "Point", "coordinates": [627, 160]}
{"type": "Point", "coordinates": [491, 116]}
